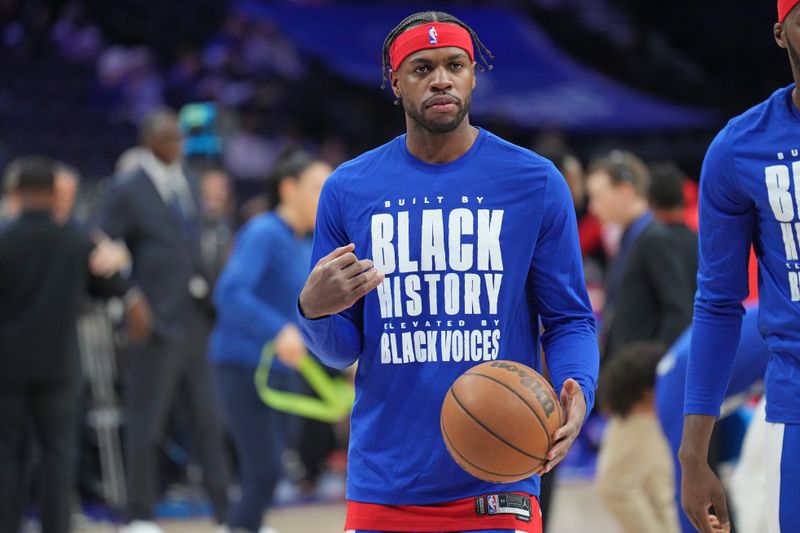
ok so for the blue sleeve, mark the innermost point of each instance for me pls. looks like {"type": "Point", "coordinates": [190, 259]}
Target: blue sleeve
{"type": "Point", "coordinates": [236, 296]}
{"type": "Point", "coordinates": [559, 290]}
{"type": "Point", "coordinates": [727, 220]}
{"type": "Point", "coordinates": [337, 339]}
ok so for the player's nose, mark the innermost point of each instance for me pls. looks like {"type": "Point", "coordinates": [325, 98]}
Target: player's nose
{"type": "Point", "coordinates": [440, 80]}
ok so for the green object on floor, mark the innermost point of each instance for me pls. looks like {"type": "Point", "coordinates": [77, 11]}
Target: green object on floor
{"type": "Point", "coordinates": [336, 395]}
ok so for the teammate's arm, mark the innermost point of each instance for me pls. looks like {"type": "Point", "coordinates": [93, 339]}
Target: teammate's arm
{"type": "Point", "coordinates": [330, 307]}
{"type": "Point", "coordinates": [727, 219]}
{"type": "Point", "coordinates": [559, 290]}
{"type": "Point", "coordinates": [235, 293]}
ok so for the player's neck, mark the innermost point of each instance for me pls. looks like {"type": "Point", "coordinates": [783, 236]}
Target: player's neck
{"type": "Point", "coordinates": [636, 209]}
{"type": "Point", "coordinates": [439, 148]}
{"type": "Point", "coordinates": [291, 218]}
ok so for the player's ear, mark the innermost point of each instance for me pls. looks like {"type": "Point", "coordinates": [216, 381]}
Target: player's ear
{"type": "Point", "coordinates": [395, 81]}
{"type": "Point", "coordinates": [474, 77]}
{"type": "Point", "coordinates": [780, 38]}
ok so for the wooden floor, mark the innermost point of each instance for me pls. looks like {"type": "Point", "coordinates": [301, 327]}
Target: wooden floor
{"type": "Point", "coordinates": [576, 509]}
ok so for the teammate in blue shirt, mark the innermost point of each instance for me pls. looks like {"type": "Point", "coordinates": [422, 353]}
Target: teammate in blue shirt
{"type": "Point", "coordinates": [747, 379]}
{"type": "Point", "coordinates": [749, 194]}
{"type": "Point", "coordinates": [435, 252]}
{"type": "Point", "coordinates": [256, 300]}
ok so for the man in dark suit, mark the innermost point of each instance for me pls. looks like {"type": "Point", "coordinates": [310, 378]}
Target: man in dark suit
{"type": "Point", "coordinates": [156, 210]}
{"type": "Point", "coordinates": [648, 291]}
{"type": "Point", "coordinates": [44, 272]}
{"type": "Point", "coordinates": [668, 205]}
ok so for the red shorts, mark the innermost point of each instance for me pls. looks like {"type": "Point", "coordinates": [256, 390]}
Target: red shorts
{"type": "Point", "coordinates": [506, 510]}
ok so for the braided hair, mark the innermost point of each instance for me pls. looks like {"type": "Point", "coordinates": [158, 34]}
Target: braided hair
{"type": "Point", "coordinates": [425, 17]}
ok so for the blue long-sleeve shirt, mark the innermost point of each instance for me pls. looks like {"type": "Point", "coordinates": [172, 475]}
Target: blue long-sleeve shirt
{"type": "Point", "coordinates": [256, 293]}
{"type": "Point", "coordinates": [749, 193]}
{"type": "Point", "coordinates": [475, 252]}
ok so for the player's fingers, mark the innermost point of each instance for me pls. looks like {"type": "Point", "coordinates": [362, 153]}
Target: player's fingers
{"type": "Point", "coordinates": [375, 278]}
{"type": "Point", "coordinates": [716, 526]}
{"type": "Point", "coordinates": [551, 464]}
{"type": "Point", "coordinates": [357, 268]}
{"type": "Point", "coordinates": [570, 429]}
{"type": "Point", "coordinates": [699, 519]}
{"type": "Point", "coordinates": [559, 449]}
{"type": "Point", "coordinates": [336, 253]}
{"type": "Point", "coordinates": [700, 524]}
{"type": "Point", "coordinates": [360, 279]}
{"type": "Point", "coordinates": [721, 508]}
{"type": "Point", "coordinates": [342, 262]}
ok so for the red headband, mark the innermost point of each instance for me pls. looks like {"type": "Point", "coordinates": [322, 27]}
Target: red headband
{"type": "Point", "coordinates": [784, 6]}
{"type": "Point", "coordinates": [432, 35]}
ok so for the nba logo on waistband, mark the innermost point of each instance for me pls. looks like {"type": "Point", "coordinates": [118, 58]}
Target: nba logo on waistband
{"type": "Point", "coordinates": [432, 36]}
{"type": "Point", "coordinates": [493, 504]}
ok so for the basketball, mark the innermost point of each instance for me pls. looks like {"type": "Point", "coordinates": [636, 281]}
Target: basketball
{"type": "Point", "coordinates": [498, 419]}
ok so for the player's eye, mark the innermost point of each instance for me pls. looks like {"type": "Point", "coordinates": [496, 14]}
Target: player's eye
{"type": "Point", "coordinates": [456, 66]}
{"type": "Point", "coordinates": [422, 69]}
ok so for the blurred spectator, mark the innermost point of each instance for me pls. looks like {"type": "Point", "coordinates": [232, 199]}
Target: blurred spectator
{"type": "Point", "coordinates": [130, 160]}
{"type": "Point", "coordinates": [40, 375]}
{"type": "Point", "coordinates": [65, 189]}
{"type": "Point", "coordinates": [217, 220]}
{"type": "Point", "coordinates": [667, 200]}
{"type": "Point", "coordinates": [129, 84]}
{"type": "Point", "coordinates": [78, 39]}
{"type": "Point", "coordinates": [9, 208]}
{"type": "Point", "coordinates": [156, 209]}
{"type": "Point", "coordinates": [256, 304]}
{"type": "Point", "coordinates": [589, 228]}
{"type": "Point", "coordinates": [648, 295]}
{"type": "Point", "coordinates": [635, 476]}
{"type": "Point", "coordinates": [249, 155]}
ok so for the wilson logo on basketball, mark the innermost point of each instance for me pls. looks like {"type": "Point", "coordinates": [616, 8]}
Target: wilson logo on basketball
{"type": "Point", "coordinates": [530, 383]}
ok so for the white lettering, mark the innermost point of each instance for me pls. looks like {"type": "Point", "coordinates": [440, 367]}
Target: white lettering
{"type": "Point", "coordinates": [382, 249]}
{"type": "Point", "coordinates": [451, 300]}
{"type": "Point", "coordinates": [794, 283]}
{"type": "Point", "coordinates": [489, 226]}
{"type": "Point", "coordinates": [493, 282]}
{"type": "Point", "coordinates": [403, 252]}
{"type": "Point", "coordinates": [780, 199]}
{"type": "Point", "coordinates": [460, 224]}
{"type": "Point", "coordinates": [432, 256]}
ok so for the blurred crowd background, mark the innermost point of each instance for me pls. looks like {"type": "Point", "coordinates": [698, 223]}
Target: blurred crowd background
{"type": "Point", "coordinates": [623, 96]}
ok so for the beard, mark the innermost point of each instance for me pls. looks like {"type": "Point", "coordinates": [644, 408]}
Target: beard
{"type": "Point", "coordinates": [793, 57]}
{"type": "Point", "coordinates": [418, 116]}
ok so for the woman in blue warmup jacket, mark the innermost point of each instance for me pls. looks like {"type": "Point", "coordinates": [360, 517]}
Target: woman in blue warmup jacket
{"type": "Point", "coordinates": [256, 298]}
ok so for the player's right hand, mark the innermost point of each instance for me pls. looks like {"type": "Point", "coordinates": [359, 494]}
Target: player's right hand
{"type": "Point", "coordinates": [700, 489]}
{"type": "Point", "coordinates": [337, 281]}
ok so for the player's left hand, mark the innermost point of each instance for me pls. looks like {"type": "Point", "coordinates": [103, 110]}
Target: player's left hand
{"type": "Point", "coordinates": [573, 404]}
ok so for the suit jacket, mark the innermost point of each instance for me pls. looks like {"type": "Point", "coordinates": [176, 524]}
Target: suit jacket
{"type": "Point", "coordinates": [165, 249]}
{"type": "Point", "coordinates": [655, 295]}
{"type": "Point", "coordinates": [44, 274]}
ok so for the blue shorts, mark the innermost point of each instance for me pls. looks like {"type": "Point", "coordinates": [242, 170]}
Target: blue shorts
{"type": "Point", "coordinates": [783, 477]}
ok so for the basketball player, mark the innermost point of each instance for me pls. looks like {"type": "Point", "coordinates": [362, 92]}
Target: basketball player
{"type": "Point", "coordinates": [439, 250]}
{"type": "Point", "coordinates": [746, 380]}
{"type": "Point", "coordinates": [749, 193]}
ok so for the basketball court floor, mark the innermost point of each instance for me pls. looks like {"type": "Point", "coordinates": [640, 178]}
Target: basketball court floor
{"type": "Point", "coordinates": [576, 509]}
